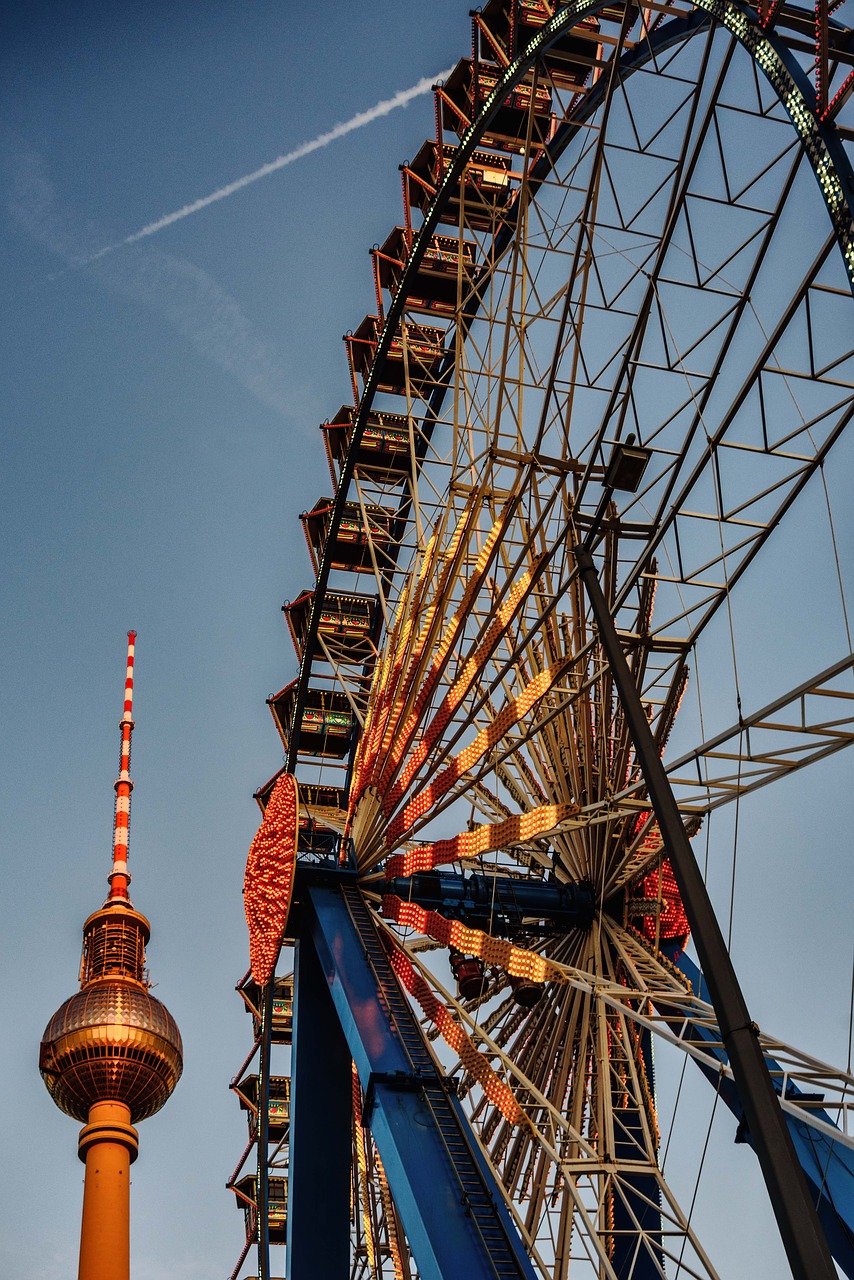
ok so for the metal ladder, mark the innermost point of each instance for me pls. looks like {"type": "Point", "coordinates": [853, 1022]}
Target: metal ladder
{"type": "Point", "coordinates": [475, 1193]}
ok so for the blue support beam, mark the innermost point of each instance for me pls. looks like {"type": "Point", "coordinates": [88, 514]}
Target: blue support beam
{"type": "Point", "coordinates": [828, 1165]}
{"type": "Point", "coordinates": [452, 1210]}
{"type": "Point", "coordinates": [318, 1242]}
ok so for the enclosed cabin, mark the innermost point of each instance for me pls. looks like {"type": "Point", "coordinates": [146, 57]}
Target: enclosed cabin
{"type": "Point", "coordinates": [363, 541]}
{"type": "Point", "coordinates": [503, 28]}
{"type": "Point", "coordinates": [325, 812]}
{"type": "Point", "coordinates": [383, 449]}
{"type": "Point", "coordinates": [322, 814]}
{"type": "Point", "coordinates": [278, 1104]}
{"type": "Point", "coordinates": [326, 724]}
{"type": "Point", "coordinates": [346, 625]}
{"type": "Point", "coordinates": [412, 363]}
{"type": "Point", "coordinates": [283, 1007]}
{"type": "Point", "coordinates": [482, 193]}
{"type": "Point", "coordinates": [277, 1206]}
{"type": "Point", "coordinates": [446, 271]}
{"type": "Point", "coordinates": [325, 806]}
{"type": "Point", "coordinates": [463, 94]}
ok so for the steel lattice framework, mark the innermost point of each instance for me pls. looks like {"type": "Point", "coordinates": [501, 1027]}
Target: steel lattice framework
{"type": "Point", "coordinates": [624, 320]}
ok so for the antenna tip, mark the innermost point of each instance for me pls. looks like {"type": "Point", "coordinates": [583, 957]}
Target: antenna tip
{"type": "Point", "coordinates": [131, 635]}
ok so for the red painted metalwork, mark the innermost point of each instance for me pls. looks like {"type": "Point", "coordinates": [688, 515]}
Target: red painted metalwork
{"type": "Point", "coordinates": [119, 877]}
{"type": "Point", "coordinates": [669, 920]}
{"type": "Point", "coordinates": [269, 878]}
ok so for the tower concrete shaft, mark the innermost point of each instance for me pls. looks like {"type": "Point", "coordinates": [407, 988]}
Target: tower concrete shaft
{"type": "Point", "coordinates": [108, 1145]}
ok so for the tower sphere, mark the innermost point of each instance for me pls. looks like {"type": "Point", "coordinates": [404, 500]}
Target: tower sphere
{"type": "Point", "coordinates": [112, 1041]}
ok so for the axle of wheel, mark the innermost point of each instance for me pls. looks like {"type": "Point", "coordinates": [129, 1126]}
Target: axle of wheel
{"type": "Point", "coordinates": [501, 904]}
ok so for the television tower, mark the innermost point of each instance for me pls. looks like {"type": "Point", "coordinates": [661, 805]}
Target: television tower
{"type": "Point", "coordinates": [111, 1055]}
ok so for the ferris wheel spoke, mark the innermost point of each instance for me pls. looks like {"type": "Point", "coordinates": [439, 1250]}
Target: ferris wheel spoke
{"type": "Point", "coordinates": [535, 1162]}
{"type": "Point", "coordinates": [637, 984]}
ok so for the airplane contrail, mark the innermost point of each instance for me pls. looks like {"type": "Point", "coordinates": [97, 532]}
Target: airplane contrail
{"type": "Point", "coordinates": [357, 121]}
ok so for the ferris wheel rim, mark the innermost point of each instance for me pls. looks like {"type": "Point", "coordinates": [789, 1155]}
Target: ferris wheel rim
{"type": "Point", "coordinates": [831, 162]}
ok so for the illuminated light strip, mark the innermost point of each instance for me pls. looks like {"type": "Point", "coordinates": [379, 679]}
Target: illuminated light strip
{"type": "Point", "coordinates": [390, 1219]}
{"type": "Point", "coordinates": [645, 621]}
{"type": "Point", "coordinates": [837, 98]}
{"type": "Point", "coordinates": [488, 836]}
{"type": "Point", "coordinates": [806, 125]}
{"type": "Point", "coordinates": [391, 723]}
{"type": "Point", "coordinates": [665, 726]}
{"type": "Point", "coordinates": [459, 689]}
{"type": "Point", "coordinates": [404, 681]}
{"type": "Point", "coordinates": [398, 746]}
{"type": "Point", "coordinates": [398, 743]}
{"type": "Point", "coordinates": [367, 750]}
{"type": "Point", "coordinates": [390, 706]}
{"type": "Point", "coordinates": [516, 961]}
{"type": "Point", "coordinates": [669, 919]}
{"type": "Point", "coordinates": [387, 676]}
{"type": "Point", "coordinates": [269, 879]}
{"type": "Point", "coordinates": [510, 715]}
{"type": "Point", "coordinates": [362, 1163]}
{"type": "Point", "coordinates": [495, 1090]}
{"type": "Point", "coordinates": [119, 876]}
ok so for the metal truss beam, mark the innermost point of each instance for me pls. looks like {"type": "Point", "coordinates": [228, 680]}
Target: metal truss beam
{"type": "Point", "coordinates": [451, 1207]}
{"type": "Point", "coordinates": [637, 1212]}
{"type": "Point", "coordinates": [810, 722]}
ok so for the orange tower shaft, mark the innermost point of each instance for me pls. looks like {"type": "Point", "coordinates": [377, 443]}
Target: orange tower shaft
{"type": "Point", "coordinates": [108, 1144]}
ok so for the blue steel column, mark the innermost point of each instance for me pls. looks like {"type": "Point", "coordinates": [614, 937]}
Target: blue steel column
{"type": "Point", "coordinates": [321, 1125]}
{"type": "Point", "coordinates": [453, 1212]}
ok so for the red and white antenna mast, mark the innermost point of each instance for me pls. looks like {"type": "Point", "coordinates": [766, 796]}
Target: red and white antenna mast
{"type": "Point", "coordinates": [119, 877]}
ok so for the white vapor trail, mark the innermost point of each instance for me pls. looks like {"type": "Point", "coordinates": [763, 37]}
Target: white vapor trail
{"type": "Point", "coordinates": [358, 121]}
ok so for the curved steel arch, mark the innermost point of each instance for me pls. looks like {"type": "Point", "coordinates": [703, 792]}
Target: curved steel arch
{"type": "Point", "coordinates": [830, 164]}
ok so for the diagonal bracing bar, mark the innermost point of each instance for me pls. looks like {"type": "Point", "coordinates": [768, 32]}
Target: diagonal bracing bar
{"type": "Point", "coordinates": [452, 1209]}
{"type": "Point", "coordinates": [797, 1220]}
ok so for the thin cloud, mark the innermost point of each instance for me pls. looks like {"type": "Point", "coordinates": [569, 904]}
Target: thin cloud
{"type": "Point", "coordinates": [186, 296]}
{"type": "Point", "coordinates": [357, 121]}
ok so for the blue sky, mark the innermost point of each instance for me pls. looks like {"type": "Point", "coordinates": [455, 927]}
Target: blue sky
{"type": "Point", "coordinates": [160, 418]}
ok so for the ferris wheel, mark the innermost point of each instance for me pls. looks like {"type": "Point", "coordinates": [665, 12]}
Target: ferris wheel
{"type": "Point", "coordinates": [611, 353]}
